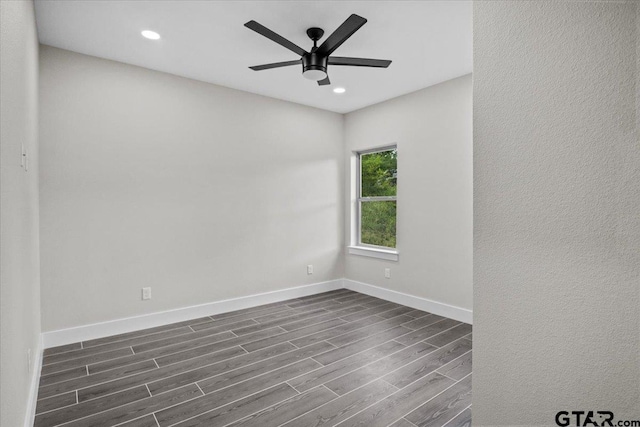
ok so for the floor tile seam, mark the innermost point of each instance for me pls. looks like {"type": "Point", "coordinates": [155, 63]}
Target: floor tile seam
{"type": "Point", "coordinates": [447, 330]}
{"type": "Point", "coordinates": [339, 396]}
{"type": "Point", "coordinates": [444, 425]}
{"type": "Point", "coordinates": [376, 333]}
{"type": "Point", "coordinates": [119, 406]}
{"type": "Point", "coordinates": [431, 336]}
{"type": "Point", "coordinates": [366, 364]}
{"type": "Point", "coordinates": [251, 414]}
{"type": "Point", "coordinates": [58, 408]}
{"type": "Point", "coordinates": [438, 394]}
{"type": "Point", "coordinates": [83, 347]}
{"type": "Point", "coordinates": [99, 412]}
{"type": "Point", "coordinates": [390, 372]}
{"type": "Point", "coordinates": [459, 357]}
{"type": "Point", "coordinates": [81, 357]}
{"type": "Point", "coordinates": [150, 370]}
{"type": "Point", "coordinates": [264, 373]}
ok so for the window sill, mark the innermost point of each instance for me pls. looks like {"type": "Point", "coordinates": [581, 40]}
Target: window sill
{"type": "Point", "coordinates": [386, 254]}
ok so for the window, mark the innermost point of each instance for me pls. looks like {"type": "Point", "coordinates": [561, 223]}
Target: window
{"type": "Point", "coordinates": [377, 198]}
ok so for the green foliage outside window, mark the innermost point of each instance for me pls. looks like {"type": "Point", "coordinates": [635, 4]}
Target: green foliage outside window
{"type": "Point", "coordinates": [378, 223]}
{"type": "Point", "coordinates": [379, 179]}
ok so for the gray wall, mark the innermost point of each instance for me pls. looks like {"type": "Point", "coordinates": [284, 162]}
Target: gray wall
{"type": "Point", "coordinates": [19, 253]}
{"type": "Point", "coordinates": [556, 211]}
{"type": "Point", "coordinates": [201, 192]}
{"type": "Point", "coordinates": [433, 130]}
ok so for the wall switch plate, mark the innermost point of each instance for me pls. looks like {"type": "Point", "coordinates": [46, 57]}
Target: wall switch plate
{"type": "Point", "coordinates": [309, 269]}
{"type": "Point", "coordinates": [146, 293]}
{"type": "Point", "coordinates": [387, 273]}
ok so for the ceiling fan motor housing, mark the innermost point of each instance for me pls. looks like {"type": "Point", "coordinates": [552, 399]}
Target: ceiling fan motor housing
{"type": "Point", "coordinates": [314, 62]}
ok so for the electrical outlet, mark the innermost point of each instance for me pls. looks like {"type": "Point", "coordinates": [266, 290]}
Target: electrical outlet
{"type": "Point", "coordinates": [309, 269]}
{"type": "Point", "coordinates": [387, 273]}
{"type": "Point", "coordinates": [146, 293]}
{"type": "Point", "coordinates": [29, 361]}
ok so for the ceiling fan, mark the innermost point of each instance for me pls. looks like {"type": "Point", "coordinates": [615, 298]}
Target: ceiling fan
{"type": "Point", "coordinates": [315, 62]}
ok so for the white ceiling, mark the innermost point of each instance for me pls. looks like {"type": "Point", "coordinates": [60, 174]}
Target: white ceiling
{"type": "Point", "coordinates": [428, 42]}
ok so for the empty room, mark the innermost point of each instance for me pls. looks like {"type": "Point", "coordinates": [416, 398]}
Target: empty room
{"type": "Point", "coordinates": [319, 213]}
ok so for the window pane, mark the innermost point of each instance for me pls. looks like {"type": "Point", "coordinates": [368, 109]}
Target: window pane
{"type": "Point", "coordinates": [379, 173]}
{"type": "Point", "coordinates": [378, 223]}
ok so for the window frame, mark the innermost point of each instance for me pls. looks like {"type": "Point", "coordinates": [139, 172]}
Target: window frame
{"type": "Point", "coordinates": [360, 199]}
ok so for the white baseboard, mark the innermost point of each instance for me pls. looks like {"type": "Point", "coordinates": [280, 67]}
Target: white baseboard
{"type": "Point", "coordinates": [419, 303]}
{"type": "Point", "coordinates": [30, 416]}
{"type": "Point", "coordinates": [129, 324]}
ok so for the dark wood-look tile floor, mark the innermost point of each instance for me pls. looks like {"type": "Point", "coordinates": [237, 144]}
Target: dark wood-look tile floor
{"type": "Point", "coordinates": [334, 359]}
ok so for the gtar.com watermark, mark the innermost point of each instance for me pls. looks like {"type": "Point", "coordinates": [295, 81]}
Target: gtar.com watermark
{"type": "Point", "coordinates": [592, 418]}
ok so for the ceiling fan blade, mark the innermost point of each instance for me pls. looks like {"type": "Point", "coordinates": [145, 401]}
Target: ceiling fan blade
{"type": "Point", "coordinates": [359, 62]}
{"type": "Point", "coordinates": [339, 36]}
{"type": "Point", "coordinates": [275, 65]}
{"type": "Point", "coordinates": [324, 81]}
{"type": "Point", "coordinates": [261, 29]}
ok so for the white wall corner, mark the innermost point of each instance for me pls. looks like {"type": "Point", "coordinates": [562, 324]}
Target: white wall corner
{"type": "Point", "coordinates": [129, 324]}
{"type": "Point", "coordinates": [30, 415]}
{"type": "Point", "coordinates": [457, 313]}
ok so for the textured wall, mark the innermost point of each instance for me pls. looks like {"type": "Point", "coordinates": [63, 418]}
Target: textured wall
{"type": "Point", "coordinates": [433, 130]}
{"type": "Point", "coordinates": [556, 211]}
{"type": "Point", "coordinates": [201, 192]}
{"type": "Point", "coordinates": [19, 253]}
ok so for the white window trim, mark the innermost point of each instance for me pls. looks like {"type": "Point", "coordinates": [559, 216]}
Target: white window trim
{"type": "Point", "coordinates": [380, 253]}
{"type": "Point", "coordinates": [359, 248]}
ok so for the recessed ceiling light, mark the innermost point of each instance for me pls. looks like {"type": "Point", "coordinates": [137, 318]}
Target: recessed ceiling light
{"type": "Point", "coordinates": [339, 90]}
{"type": "Point", "coordinates": [151, 35]}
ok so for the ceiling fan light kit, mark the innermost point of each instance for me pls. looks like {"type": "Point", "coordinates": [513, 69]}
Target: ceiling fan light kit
{"type": "Point", "coordinates": [315, 63]}
{"type": "Point", "coordinates": [314, 67]}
